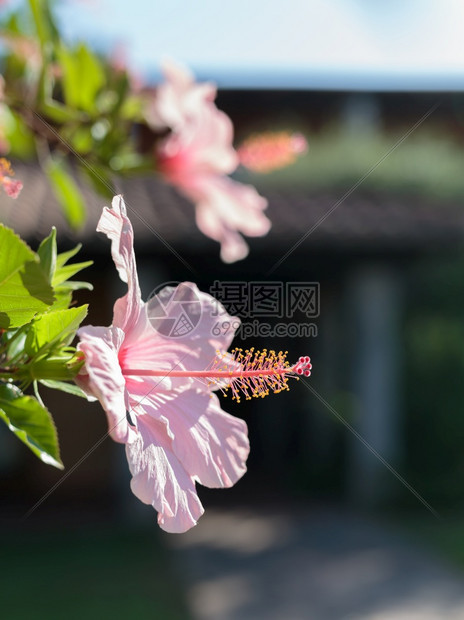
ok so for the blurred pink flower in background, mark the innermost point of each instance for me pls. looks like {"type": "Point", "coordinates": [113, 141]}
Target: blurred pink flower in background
{"type": "Point", "coordinates": [11, 186]}
{"type": "Point", "coordinates": [176, 433]}
{"type": "Point", "coordinates": [271, 150]}
{"type": "Point", "coordinates": [196, 157]}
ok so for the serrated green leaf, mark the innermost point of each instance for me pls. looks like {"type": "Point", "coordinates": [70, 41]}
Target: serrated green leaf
{"type": "Point", "coordinates": [31, 423]}
{"type": "Point", "coordinates": [63, 293]}
{"type": "Point", "coordinates": [63, 257]}
{"type": "Point", "coordinates": [62, 274]}
{"type": "Point", "coordinates": [24, 289]}
{"type": "Point", "coordinates": [54, 327]}
{"type": "Point", "coordinates": [63, 286]}
{"type": "Point", "coordinates": [67, 192]}
{"type": "Point", "coordinates": [47, 254]}
{"type": "Point", "coordinates": [63, 299]}
{"type": "Point", "coordinates": [69, 388]}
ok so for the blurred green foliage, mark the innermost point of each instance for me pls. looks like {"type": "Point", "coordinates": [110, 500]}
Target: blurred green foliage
{"type": "Point", "coordinates": [67, 106]}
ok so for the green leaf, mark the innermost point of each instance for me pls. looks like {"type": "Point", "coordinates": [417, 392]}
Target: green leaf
{"type": "Point", "coordinates": [75, 285]}
{"type": "Point", "coordinates": [16, 340]}
{"type": "Point", "coordinates": [31, 423]}
{"type": "Point", "coordinates": [24, 289]}
{"type": "Point", "coordinates": [63, 257]}
{"type": "Point", "coordinates": [81, 139]}
{"type": "Point", "coordinates": [54, 327]}
{"type": "Point", "coordinates": [83, 77]}
{"type": "Point", "coordinates": [63, 299]}
{"type": "Point", "coordinates": [62, 274]}
{"type": "Point", "coordinates": [132, 108]}
{"type": "Point", "coordinates": [58, 273]}
{"type": "Point", "coordinates": [19, 136]}
{"type": "Point", "coordinates": [67, 193]}
{"type": "Point", "coordinates": [69, 388]}
{"type": "Point", "coordinates": [71, 79]}
{"type": "Point", "coordinates": [91, 68]}
{"type": "Point", "coordinates": [100, 179]}
{"type": "Point", "coordinates": [41, 22]}
{"type": "Point", "coordinates": [56, 111]}
{"type": "Point", "coordinates": [47, 254]}
{"type": "Point", "coordinates": [63, 293]}
{"type": "Point", "coordinates": [64, 287]}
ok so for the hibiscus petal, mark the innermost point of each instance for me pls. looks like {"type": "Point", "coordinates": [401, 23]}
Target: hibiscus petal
{"type": "Point", "coordinates": [178, 99]}
{"type": "Point", "coordinates": [233, 245]}
{"type": "Point", "coordinates": [102, 378]}
{"type": "Point", "coordinates": [213, 328]}
{"type": "Point", "coordinates": [212, 445]}
{"type": "Point", "coordinates": [209, 143]}
{"type": "Point", "coordinates": [144, 348]}
{"type": "Point", "coordinates": [202, 146]}
{"type": "Point", "coordinates": [237, 206]}
{"type": "Point", "coordinates": [117, 227]}
{"type": "Point", "coordinates": [160, 479]}
{"type": "Point", "coordinates": [226, 208]}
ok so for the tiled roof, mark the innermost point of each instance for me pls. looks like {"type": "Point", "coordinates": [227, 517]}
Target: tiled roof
{"type": "Point", "coordinates": [378, 221]}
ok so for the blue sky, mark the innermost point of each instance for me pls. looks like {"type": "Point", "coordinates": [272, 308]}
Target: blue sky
{"type": "Point", "coordinates": [297, 43]}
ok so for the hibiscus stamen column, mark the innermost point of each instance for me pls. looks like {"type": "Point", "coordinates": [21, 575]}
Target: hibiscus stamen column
{"type": "Point", "coordinates": [253, 373]}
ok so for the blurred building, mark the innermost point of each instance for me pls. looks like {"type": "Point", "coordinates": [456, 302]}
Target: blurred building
{"type": "Point", "coordinates": [377, 191]}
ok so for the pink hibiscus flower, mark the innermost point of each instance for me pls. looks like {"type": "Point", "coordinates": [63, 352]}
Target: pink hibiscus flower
{"type": "Point", "coordinates": [196, 157]}
{"type": "Point", "coordinates": [271, 150]}
{"type": "Point", "coordinates": [175, 431]}
{"type": "Point", "coordinates": [157, 390]}
{"type": "Point", "coordinates": [179, 99]}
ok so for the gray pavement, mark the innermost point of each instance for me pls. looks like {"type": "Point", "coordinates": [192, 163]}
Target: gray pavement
{"type": "Point", "coordinates": [317, 565]}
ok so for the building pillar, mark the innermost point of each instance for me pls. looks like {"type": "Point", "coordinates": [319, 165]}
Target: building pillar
{"type": "Point", "coordinates": [374, 359]}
